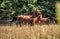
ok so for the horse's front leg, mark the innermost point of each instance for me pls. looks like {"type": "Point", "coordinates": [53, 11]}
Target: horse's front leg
{"type": "Point", "coordinates": [33, 23]}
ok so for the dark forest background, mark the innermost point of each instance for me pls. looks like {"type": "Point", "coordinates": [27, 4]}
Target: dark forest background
{"type": "Point", "coordinates": [11, 8]}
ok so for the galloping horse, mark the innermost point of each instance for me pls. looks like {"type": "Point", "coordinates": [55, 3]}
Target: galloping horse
{"type": "Point", "coordinates": [25, 19]}
{"type": "Point", "coordinates": [22, 19]}
{"type": "Point", "coordinates": [36, 20]}
{"type": "Point", "coordinates": [45, 20]}
{"type": "Point", "coordinates": [40, 20]}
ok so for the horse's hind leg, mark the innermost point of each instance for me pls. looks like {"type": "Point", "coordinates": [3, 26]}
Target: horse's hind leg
{"type": "Point", "coordinates": [20, 23]}
{"type": "Point", "coordinates": [31, 23]}
{"type": "Point", "coordinates": [16, 23]}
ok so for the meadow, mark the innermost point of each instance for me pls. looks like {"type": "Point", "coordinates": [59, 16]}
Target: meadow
{"type": "Point", "coordinates": [29, 32]}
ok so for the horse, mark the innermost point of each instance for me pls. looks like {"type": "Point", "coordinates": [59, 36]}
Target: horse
{"type": "Point", "coordinates": [45, 20]}
{"type": "Point", "coordinates": [23, 19]}
{"type": "Point", "coordinates": [36, 20]}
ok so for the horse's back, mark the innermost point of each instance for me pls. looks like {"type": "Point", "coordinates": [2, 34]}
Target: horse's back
{"type": "Point", "coordinates": [44, 19]}
{"type": "Point", "coordinates": [25, 17]}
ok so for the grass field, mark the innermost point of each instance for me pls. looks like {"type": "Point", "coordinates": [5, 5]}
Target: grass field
{"type": "Point", "coordinates": [29, 32]}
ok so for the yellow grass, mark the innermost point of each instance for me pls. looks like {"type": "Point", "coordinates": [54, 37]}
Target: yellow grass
{"type": "Point", "coordinates": [29, 32]}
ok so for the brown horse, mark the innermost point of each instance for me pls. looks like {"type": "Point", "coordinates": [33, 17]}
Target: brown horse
{"type": "Point", "coordinates": [24, 19]}
{"type": "Point", "coordinates": [36, 20]}
{"type": "Point", "coordinates": [45, 20]}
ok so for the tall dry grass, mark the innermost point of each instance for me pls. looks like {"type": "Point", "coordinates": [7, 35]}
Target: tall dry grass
{"type": "Point", "coordinates": [29, 32]}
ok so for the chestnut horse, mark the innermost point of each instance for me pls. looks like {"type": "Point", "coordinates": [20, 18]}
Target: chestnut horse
{"type": "Point", "coordinates": [45, 20]}
{"type": "Point", "coordinates": [36, 20]}
{"type": "Point", "coordinates": [40, 20]}
{"type": "Point", "coordinates": [23, 19]}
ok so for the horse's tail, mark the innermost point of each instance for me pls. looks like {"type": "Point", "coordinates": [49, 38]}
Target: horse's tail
{"type": "Point", "coordinates": [49, 20]}
{"type": "Point", "coordinates": [14, 19]}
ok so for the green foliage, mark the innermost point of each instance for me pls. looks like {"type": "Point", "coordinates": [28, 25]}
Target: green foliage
{"type": "Point", "coordinates": [18, 7]}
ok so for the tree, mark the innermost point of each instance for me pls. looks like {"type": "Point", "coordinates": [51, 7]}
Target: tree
{"type": "Point", "coordinates": [18, 7]}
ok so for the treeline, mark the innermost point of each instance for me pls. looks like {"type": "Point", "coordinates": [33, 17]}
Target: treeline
{"type": "Point", "coordinates": [10, 8]}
